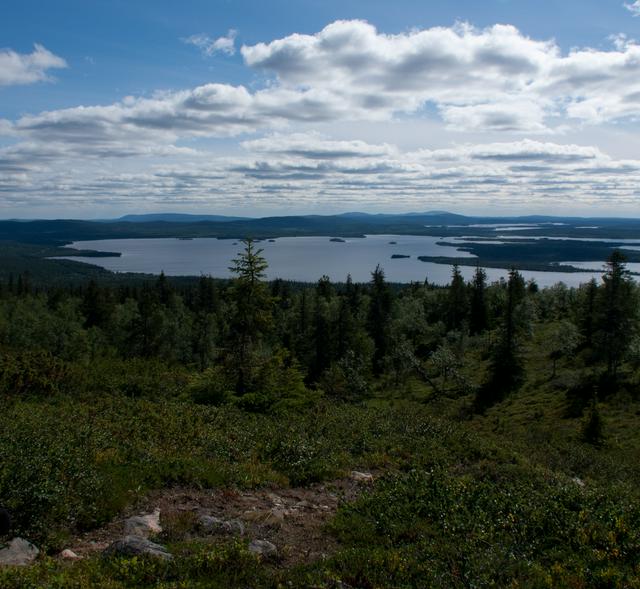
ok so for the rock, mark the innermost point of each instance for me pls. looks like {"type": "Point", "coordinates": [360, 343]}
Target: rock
{"type": "Point", "coordinates": [578, 481]}
{"type": "Point", "coordinates": [68, 554]}
{"type": "Point", "coordinates": [267, 517]}
{"type": "Point", "coordinates": [216, 525]}
{"type": "Point", "coordinates": [210, 523]}
{"type": "Point", "coordinates": [264, 549]}
{"type": "Point", "coordinates": [361, 477]}
{"type": "Point", "coordinates": [137, 546]}
{"type": "Point", "coordinates": [275, 499]}
{"type": "Point", "coordinates": [143, 525]}
{"type": "Point", "coordinates": [19, 552]}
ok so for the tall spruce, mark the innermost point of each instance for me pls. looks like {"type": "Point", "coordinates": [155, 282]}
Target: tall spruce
{"type": "Point", "coordinates": [380, 305]}
{"type": "Point", "coordinates": [506, 367]}
{"type": "Point", "coordinates": [252, 311]}
{"type": "Point", "coordinates": [478, 304]}
{"type": "Point", "coordinates": [456, 301]}
{"type": "Point", "coordinates": [587, 318]}
{"type": "Point", "coordinates": [322, 328]}
{"type": "Point", "coordinates": [616, 314]}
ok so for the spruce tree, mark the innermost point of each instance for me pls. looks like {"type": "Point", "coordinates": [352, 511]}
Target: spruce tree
{"type": "Point", "coordinates": [378, 318]}
{"type": "Point", "coordinates": [252, 311]}
{"type": "Point", "coordinates": [587, 318]}
{"type": "Point", "coordinates": [478, 305]}
{"type": "Point", "coordinates": [506, 368]}
{"type": "Point", "coordinates": [593, 426]}
{"type": "Point", "coordinates": [456, 301]}
{"type": "Point", "coordinates": [616, 314]}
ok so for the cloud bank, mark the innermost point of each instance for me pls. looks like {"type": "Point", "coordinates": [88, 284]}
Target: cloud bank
{"type": "Point", "coordinates": [497, 80]}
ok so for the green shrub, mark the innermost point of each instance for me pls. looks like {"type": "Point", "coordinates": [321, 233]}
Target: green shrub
{"type": "Point", "coordinates": [33, 373]}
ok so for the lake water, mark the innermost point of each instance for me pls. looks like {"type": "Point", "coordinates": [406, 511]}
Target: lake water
{"type": "Point", "coordinates": [302, 258]}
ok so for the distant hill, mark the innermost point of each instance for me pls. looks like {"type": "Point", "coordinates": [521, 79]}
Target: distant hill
{"type": "Point", "coordinates": [177, 218]}
{"type": "Point", "coordinates": [434, 223]}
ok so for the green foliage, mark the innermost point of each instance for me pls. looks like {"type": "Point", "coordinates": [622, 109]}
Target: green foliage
{"type": "Point", "coordinates": [380, 307]}
{"type": "Point", "coordinates": [49, 475]}
{"type": "Point", "coordinates": [495, 525]}
{"type": "Point", "coordinates": [616, 314]}
{"type": "Point", "coordinates": [251, 317]}
{"type": "Point", "coordinates": [347, 379]}
{"type": "Point", "coordinates": [69, 465]}
{"type": "Point", "coordinates": [478, 319]}
{"type": "Point", "coordinates": [457, 307]}
{"type": "Point", "coordinates": [563, 340]}
{"type": "Point", "coordinates": [593, 426]}
{"type": "Point", "coordinates": [109, 393]}
{"type": "Point", "coordinates": [197, 565]}
{"type": "Point", "coordinates": [210, 387]}
{"type": "Point", "coordinates": [506, 369]}
{"type": "Point", "coordinates": [33, 373]}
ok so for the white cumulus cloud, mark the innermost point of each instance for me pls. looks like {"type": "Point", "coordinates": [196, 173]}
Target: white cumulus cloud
{"type": "Point", "coordinates": [467, 82]}
{"type": "Point", "coordinates": [633, 7]}
{"type": "Point", "coordinates": [209, 46]}
{"type": "Point", "coordinates": [27, 68]}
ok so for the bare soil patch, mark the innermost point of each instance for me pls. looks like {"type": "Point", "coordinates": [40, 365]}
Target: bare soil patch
{"type": "Point", "coordinates": [292, 518]}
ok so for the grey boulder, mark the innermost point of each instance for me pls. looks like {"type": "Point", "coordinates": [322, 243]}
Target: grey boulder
{"type": "Point", "coordinates": [215, 525]}
{"type": "Point", "coordinates": [137, 546]}
{"type": "Point", "coordinates": [264, 548]}
{"type": "Point", "coordinates": [143, 525]}
{"type": "Point", "coordinates": [18, 552]}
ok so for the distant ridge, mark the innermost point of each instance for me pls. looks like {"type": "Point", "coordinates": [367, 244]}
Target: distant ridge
{"type": "Point", "coordinates": [425, 214]}
{"type": "Point", "coordinates": [354, 224]}
{"type": "Point", "coordinates": [177, 218]}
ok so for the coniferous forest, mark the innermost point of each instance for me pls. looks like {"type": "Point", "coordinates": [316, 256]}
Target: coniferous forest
{"type": "Point", "coordinates": [479, 434]}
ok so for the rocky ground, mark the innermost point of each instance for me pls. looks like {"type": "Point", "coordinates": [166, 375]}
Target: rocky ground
{"type": "Point", "coordinates": [283, 525]}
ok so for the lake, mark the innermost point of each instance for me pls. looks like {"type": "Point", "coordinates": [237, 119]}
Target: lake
{"type": "Point", "coordinates": [304, 259]}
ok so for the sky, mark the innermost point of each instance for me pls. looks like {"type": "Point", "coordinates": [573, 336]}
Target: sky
{"type": "Point", "coordinates": [247, 107]}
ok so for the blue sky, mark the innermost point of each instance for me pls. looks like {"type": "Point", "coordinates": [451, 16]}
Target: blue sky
{"type": "Point", "coordinates": [285, 106]}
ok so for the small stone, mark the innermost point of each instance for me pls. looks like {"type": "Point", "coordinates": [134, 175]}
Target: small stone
{"type": "Point", "coordinates": [275, 499]}
{"type": "Point", "coordinates": [361, 477]}
{"type": "Point", "coordinates": [268, 517]}
{"type": "Point", "coordinates": [137, 546]}
{"type": "Point", "coordinates": [578, 481]}
{"type": "Point", "coordinates": [234, 527]}
{"type": "Point", "coordinates": [210, 523]}
{"type": "Point", "coordinates": [68, 554]}
{"type": "Point", "coordinates": [264, 549]}
{"type": "Point", "coordinates": [143, 525]}
{"type": "Point", "coordinates": [19, 552]}
{"type": "Point", "coordinates": [216, 525]}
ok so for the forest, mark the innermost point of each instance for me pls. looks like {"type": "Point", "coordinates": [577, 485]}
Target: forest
{"type": "Point", "coordinates": [499, 421]}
